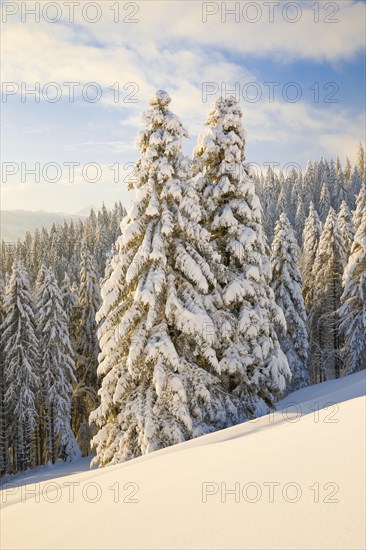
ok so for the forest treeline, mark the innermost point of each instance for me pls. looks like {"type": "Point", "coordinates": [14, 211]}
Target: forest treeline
{"type": "Point", "coordinates": [218, 291]}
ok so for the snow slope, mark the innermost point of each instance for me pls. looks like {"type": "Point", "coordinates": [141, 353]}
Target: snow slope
{"type": "Point", "coordinates": [299, 475]}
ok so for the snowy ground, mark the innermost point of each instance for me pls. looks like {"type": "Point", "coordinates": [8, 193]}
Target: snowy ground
{"type": "Point", "coordinates": [46, 473]}
{"type": "Point", "coordinates": [293, 479]}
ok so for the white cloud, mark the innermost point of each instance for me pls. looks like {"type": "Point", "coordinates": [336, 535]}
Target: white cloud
{"type": "Point", "coordinates": [170, 47]}
{"type": "Point", "coordinates": [137, 52]}
{"type": "Point", "coordinates": [179, 21]}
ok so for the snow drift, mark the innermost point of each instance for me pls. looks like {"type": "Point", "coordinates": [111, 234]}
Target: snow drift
{"type": "Point", "coordinates": [291, 479]}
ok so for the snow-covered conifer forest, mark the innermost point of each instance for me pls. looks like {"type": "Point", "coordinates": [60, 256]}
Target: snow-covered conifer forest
{"type": "Point", "coordinates": [215, 294]}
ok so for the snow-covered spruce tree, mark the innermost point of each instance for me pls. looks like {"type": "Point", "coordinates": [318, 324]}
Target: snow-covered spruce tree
{"type": "Point", "coordinates": [90, 231]}
{"type": "Point", "coordinates": [70, 293]}
{"type": "Point", "coordinates": [87, 349]}
{"type": "Point", "coordinates": [20, 347]}
{"type": "Point", "coordinates": [58, 252]}
{"type": "Point", "coordinates": [311, 235]}
{"type": "Point", "coordinates": [282, 203]}
{"type": "Point", "coordinates": [309, 185]}
{"type": "Point", "coordinates": [40, 251]}
{"type": "Point", "coordinates": [348, 172]}
{"type": "Point", "coordinates": [341, 190]}
{"type": "Point", "coordinates": [332, 184]}
{"type": "Point", "coordinates": [324, 202]}
{"type": "Point", "coordinates": [360, 207]}
{"type": "Point", "coordinates": [40, 432]}
{"type": "Point", "coordinates": [253, 367]}
{"type": "Point", "coordinates": [160, 374]}
{"type": "Point", "coordinates": [327, 272]}
{"type": "Point", "coordinates": [300, 218]}
{"type": "Point", "coordinates": [103, 240]}
{"type": "Point", "coordinates": [346, 226]}
{"type": "Point", "coordinates": [40, 280]}
{"type": "Point", "coordinates": [6, 259]}
{"type": "Point", "coordinates": [355, 186]}
{"type": "Point", "coordinates": [353, 309]}
{"type": "Point", "coordinates": [3, 418]}
{"type": "Point", "coordinates": [56, 371]}
{"type": "Point", "coordinates": [69, 296]}
{"type": "Point", "coordinates": [294, 191]}
{"type": "Point", "coordinates": [317, 182]}
{"type": "Point", "coordinates": [118, 214]}
{"type": "Point", "coordinates": [269, 198]}
{"type": "Point", "coordinates": [286, 284]}
{"type": "Point", "coordinates": [361, 161]}
{"type": "Point", "coordinates": [27, 258]}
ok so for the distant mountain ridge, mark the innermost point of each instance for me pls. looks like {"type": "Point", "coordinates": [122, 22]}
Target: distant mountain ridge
{"type": "Point", "coordinates": [16, 223]}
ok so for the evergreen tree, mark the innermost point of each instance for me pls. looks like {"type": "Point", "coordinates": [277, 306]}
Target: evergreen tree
{"type": "Point", "coordinates": [39, 251]}
{"type": "Point", "coordinates": [318, 182]}
{"type": "Point", "coordinates": [18, 251]}
{"type": "Point", "coordinates": [160, 374]}
{"type": "Point", "coordinates": [286, 283]}
{"type": "Point", "coordinates": [353, 309]}
{"type": "Point", "coordinates": [6, 260]}
{"type": "Point", "coordinates": [58, 252]}
{"type": "Point", "coordinates": [361, 161]}
{"type": "Point", "coordinates": [40, 278]}
{"type": "Point", "coordinates": [332, 185]}
{"type": "Point", "coordinates": [309, 185]}
{"type": "Point", "coordinates": [3, 416]}
{"type": "Point", "coordinates": [69, 296]}
{"type": "Point", "coordinates": [117, 215]}
{"type": "Point", "coordinates": [300, 219]}
{"type": "Point", "coordinates": [348, 171]}
{"type": "Point", "coordinates": [355, 186]}
{"type": "Point", "coordinates": [87, 348]}
{"type": "Point", "coordinates": [253, 366]}
{"type": "Point", "coordinates": [350, 193]}
{"type": "Point", "coordinates": [360, 207]}
{"type": "Point", "coordinates": [346, 227]}
{"type": "Point", "coordinates": [28, 262]}
{"type": "Point", "coordinates": [57, 371]}
{"type": "Point", "coordinates": [269, 199]}
{"type": "Point", "coordinates": [325, 202]}
{"type": "Point", "coordinates": [20, 345]}
{"type": "Point", "coordinates": [292, 190]}
{"type": "Point", "coordinates": [70, 293]}
{"type": "Point", "coordinates": [103, 243]}
{"type": "Point", "coordinates": [341, 187]}
{"type": "Point", "coordinates": [282, 201]}
{"type": "Point", "coordinates": [327, 272]}
{"type": "Point", "coordinates": [90, 230]}
{"type": "Point", "coordinates": [311, 236]}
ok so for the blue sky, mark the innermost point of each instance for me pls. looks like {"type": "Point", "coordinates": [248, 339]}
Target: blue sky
{"type": "Point", "coordinates": [171, 48]}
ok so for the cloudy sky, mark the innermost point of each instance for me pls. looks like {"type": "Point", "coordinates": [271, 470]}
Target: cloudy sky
{"type": "Point", "coordinates": [298, 69]}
